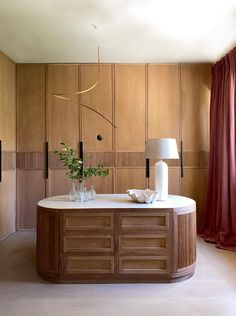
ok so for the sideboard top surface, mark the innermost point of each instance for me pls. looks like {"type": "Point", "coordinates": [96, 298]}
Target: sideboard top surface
{"type": "Point", "coordinates": [115, 201]}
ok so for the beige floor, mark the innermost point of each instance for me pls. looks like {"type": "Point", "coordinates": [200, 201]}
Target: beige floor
{"type": "Point", "coordinates": [211, 291]}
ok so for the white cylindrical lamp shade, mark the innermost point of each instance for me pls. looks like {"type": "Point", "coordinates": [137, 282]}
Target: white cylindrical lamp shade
{"type": "Point", "coordinates": [163, 148]}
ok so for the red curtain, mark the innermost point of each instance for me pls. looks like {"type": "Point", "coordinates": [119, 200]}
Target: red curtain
{"type": "Point", "coordinates": [219, 223]}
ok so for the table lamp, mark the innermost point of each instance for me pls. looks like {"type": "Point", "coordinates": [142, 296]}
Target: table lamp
{"type": "Point", "coordinates": [161, 148]}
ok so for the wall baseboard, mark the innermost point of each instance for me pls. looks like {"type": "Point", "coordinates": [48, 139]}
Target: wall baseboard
{"type": "Point", "coordinates": [6, 236]}
{"type": "Point", "coordinates": [24, 229]}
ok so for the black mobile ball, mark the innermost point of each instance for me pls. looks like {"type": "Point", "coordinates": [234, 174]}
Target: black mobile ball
{"type": "Point", "coordinates": [99, 138]}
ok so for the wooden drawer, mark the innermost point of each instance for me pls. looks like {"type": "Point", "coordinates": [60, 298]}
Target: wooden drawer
{"type": "Point", "coordinates": [88, 243]}
{"type": "Point", "coordinates": [143, 244]}
{"type": "Point", "coordinates": [143, 264]}
{"type": "Point", "coordinates": [140, 221]}
{"type": "Point", "coordinates": [88, 221]}
{"type": "Point", "coordinates": [89, 264]}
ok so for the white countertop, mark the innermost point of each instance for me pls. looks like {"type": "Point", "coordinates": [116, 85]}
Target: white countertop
{"type": "Point", "coordinates": [114, 201]}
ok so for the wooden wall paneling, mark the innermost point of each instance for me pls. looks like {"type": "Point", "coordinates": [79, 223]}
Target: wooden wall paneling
{"type": "Point", "coordinates": [59, 183]}
{"type": "Point", "coordinates": [63, 115]}
{"type": "Point", "coordinates": [101, 99]}
{"type": "Point", "coordinates": [31, 136]}
{"type": "Point", "coordinates": [130, 98]}
{"type": "Point", "coordinates": [129, 178]}
{"type": "Point", "coordinates": [62, 120]}
{"type": "Point", "coordinates": [30, 190]}
{"type": "Point", "coordinates": [196, 86]}
{"type": "Point", "coordinates": [173, 180]}
{"type": "Point", "coordinates": [102, 185]}
{"type": "Point", "coordinates": [7, 203]}
{"type": "Point", "coordinates": [164, 107]}
{"type": "Point", "coordinates": [8, 104]}
{"type": "Point", "coordinates": [194, 185]}
{"type": "Point", "coordinates": [31, 111]}
{"type": "Point", "coordinates": [8, 138]}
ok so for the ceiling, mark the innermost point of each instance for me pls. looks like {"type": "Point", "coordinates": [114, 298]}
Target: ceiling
{"type": "Point", "coordinates": [127, 30]}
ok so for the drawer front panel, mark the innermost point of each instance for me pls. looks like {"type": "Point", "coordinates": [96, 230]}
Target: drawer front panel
{"type": "Point", "coordinates": [143, 244]}
{"type": "Point", "coordinates": [88, 221]}
{"type": "Point", "coordinates": [88, 243]}
{"type": "Point", "coordinates": [146, 222]}
{"type": "Point", "coordinates": [89, 264]}
{"type": "Point", "coordinates": [143, 264]}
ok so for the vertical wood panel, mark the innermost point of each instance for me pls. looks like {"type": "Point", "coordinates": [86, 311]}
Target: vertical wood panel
{"type": "Point", "coordinates": [164, 101]}
{"type": "Point", "coordinates": [196, 85]}
{"type": "Point", "coordinates": [195, 89]}
{"type": "Point", "coordinates": [31, 136]}
{"type": "Point", "coordinates": [63, 120]}
{"type": "Point", "coordinates": [8, 104]}
{"type": "Point", "coordinates": [100, 99]}
{"type": "Point", "coordinates": [30, 190]}
{"type": "Point", "coordinates": [59, 183]}
{"type": "Point", "coordinates": [8, 138]}
{"type": "Point", "coordinates": [194, 185]}
{"type": "Point", "coordinates": [31, 81]}
{"type": "Point", "coordinates": [7, 203]}
{"type": "Point", "coordinates": [130, 178]}
{"type": "Point", "coordinates": [63, 116]}
{"type": "Point", "coordinates": [130, 94]}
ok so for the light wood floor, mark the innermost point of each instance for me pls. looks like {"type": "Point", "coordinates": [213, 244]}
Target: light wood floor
{"type": "Point", "coordinates": [211, 291]}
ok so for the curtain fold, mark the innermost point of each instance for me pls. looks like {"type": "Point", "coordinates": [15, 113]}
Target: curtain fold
{"type": "Point", "coordinates": [219, 222]}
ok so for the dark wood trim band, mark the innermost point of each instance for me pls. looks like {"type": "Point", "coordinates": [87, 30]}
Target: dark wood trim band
{"type": "Point", "coordinates": [36, 160]}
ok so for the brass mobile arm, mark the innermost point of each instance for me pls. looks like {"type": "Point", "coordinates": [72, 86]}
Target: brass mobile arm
{"type": "Point", "coordinates": [64, 96]}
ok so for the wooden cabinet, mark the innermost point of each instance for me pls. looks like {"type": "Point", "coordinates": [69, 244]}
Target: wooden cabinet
{"type": "Point", "coordinates": [91, 233]}
{"type": "Point", "coordinates": [112, 240]}
{"type": "Point", "coordinates": [164, 101]}
{"type": "Point", "coordinates": [8, 145]}
{"type": "Point", "coordinates": [130, 109]}
{"type": "Point", "coordinates": [142, 100]}
{"type": "Point", "coordinates": [130, 102]}
{"type": "Point", "coordinates": [63, 119]}
{"type": "Point", "coordinates": [31, 137]}
{"type": "Point", "coordinates": [164, 114]}
{"type": "Point", "coordinates": [100, 99]}
{"type": "Point", "coordinates": [195, 90]}
{"type": "Point", "coordinates": [143, 244]}
{"type": "Point", "coordinates": [63, 115]}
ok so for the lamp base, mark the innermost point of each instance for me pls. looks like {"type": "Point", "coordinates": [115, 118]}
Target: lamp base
{"type": "Point", "coordinates": [161, 180]}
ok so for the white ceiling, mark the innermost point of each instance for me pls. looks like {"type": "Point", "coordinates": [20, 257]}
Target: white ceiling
{"type": "Point", "coordinates": [128, 30]}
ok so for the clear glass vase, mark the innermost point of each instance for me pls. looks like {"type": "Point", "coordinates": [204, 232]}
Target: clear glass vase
{"type": "Point", "coordinates": [92, 193]}
{"type": "Point", "coordinates": [73, 193]}
{"type": "Point", "coordinates": [81, 192]}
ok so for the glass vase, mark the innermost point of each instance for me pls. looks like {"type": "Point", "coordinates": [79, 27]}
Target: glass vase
{"type": "Point", "coordinates": [81, 192]}
{"type": "Point", "coordinates": [73, 193]}
{"type": "Point", "coordinates": [92, 193]}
